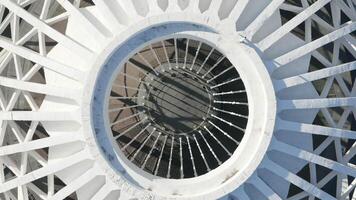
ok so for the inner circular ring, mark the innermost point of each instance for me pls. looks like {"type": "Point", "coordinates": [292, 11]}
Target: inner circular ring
{"type": "Point", "coordinates": [178, 108]}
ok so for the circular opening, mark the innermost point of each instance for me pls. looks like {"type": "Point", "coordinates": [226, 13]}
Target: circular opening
{"type": "Point", "coordinates": [178, 108]}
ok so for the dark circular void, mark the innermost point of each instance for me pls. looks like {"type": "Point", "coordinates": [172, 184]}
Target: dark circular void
{"type": "Point", "coordinates": [178, 108]}
{"type": "Point", "coordinates": [178, 101]}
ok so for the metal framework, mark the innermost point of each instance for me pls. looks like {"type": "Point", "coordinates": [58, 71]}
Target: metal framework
{"type": "Point", "coordinates": [195, 110]}
{"type": "Point", "coordinates": [269, 86]}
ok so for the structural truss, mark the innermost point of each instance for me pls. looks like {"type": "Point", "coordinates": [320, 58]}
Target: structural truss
{"type": "Point", "coordinates": [177, 99]}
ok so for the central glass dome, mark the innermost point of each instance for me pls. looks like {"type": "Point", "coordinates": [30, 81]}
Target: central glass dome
{"type": "Point", "coordinates": [178, 108]}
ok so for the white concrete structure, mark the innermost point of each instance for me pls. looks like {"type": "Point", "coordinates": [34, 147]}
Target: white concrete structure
{"type": "Point", "coordinates": [231, 99]}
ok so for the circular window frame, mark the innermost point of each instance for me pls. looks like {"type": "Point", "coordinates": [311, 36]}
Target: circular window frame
{"type": "Point", "coordinates": [160, 132]}
{"type": "Point", "coordinates": [228, 176]}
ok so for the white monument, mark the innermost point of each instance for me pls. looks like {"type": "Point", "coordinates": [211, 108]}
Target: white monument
{"type": "Point", "coordinates": [177, 99]}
